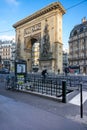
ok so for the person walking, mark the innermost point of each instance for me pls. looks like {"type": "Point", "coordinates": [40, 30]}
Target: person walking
{"type": "Point", "coordinates": [44, 73]}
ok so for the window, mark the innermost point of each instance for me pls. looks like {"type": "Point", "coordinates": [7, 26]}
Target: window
{"type": "Point", "coordinates": [75, 33]}
{"type": "Point", "coordinates": [81, 29]}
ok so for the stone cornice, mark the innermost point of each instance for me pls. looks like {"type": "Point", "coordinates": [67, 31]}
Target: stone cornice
{"type": "Point", "coordinates": [53, 6]}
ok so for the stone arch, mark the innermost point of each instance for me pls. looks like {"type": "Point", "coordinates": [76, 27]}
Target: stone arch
{"type": "Point", "coordinates": [43, 26]}
{"type": "Point", "coordinates": [30, 43]}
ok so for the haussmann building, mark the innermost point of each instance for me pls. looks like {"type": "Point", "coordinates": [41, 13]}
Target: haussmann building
{"type": "Point", "coordinates": [78, 46]}
{"type": "Point", "coordinates": [39, 38]}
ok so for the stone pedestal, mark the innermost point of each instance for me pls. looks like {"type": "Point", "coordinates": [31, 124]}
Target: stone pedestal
{"type": "Point", "coordinates": [46, 62]}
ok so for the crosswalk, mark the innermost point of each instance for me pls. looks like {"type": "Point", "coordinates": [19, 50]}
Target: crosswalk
{"type": "Point", "coordinates": [76, 99]}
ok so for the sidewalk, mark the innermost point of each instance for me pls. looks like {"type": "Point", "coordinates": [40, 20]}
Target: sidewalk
{"type": "Point", "coordinates": [75, 99]}
{"type": "Point", "coordinates": [71, 109]}
{"type": "Point", "coordinates": [16, 115]}
{"type": "Point", "coordinates": [63, 111]}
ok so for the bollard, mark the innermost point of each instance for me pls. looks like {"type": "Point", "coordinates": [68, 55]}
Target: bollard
{"type": "Point", "coordinates": [81, 101]}
{"type": "Point", "coordinates": [64, 91]}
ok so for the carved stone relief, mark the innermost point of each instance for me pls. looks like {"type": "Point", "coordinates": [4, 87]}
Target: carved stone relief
{"type": "Point", "coordinates": [29, 31]}
{"type": "Point", "coordinates": [46, 41]}
{"type": "Point", "coordinates": [27, 43]}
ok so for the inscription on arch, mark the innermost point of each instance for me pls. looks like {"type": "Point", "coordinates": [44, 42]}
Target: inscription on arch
{"type": "Point", "coordinates": [32, 29]}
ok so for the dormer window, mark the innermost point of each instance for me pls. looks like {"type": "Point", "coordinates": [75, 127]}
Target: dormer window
{"type": "Point", "coordinates": [81, 29]}
{"type": "Point", "coordinates": [75, 33]}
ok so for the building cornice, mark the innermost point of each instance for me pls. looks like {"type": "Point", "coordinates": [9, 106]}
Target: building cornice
{"type": "Point", "coordinates": [53, 6]}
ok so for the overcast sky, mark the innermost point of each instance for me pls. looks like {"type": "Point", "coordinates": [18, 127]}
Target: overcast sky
{"type": "Point", "coordinates": [12, 11]}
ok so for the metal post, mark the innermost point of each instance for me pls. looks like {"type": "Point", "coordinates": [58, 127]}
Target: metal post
{"type": "Point", "coordinates": [81, 101]}
{"type": "Point", "coordinates": [64, 91]}
{"type": "Point", "coordinates": [51, 87]}
{"type": "Point", "coordinates": [70, 81]}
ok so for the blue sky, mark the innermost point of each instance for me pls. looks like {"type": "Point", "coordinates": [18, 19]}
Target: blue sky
{"type": "Point", "coordinates": [12, 11]}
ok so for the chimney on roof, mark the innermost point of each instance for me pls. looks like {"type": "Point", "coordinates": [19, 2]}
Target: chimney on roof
{"type": "Point", "coordinates": [84, 19]}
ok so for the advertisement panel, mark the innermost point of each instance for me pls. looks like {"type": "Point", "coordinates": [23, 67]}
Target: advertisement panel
{"type": "Point", "coordinates": [20, 71]}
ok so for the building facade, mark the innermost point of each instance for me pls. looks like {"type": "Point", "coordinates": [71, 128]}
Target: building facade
{"type": "Point", "coordinates": [78, 46]}
{"type": "Point", "coordinates": [44, 28]}
{"type": "Point", "coordinates": [65, 59]}
{"type": "Point", "coordinates": [7, 53]}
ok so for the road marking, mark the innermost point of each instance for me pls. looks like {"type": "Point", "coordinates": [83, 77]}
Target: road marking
{"type": "Point", "coordinates": [76, 99]}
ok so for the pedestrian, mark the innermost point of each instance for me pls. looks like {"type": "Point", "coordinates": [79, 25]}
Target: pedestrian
{"type": "Point", "coordinates": [44, 73]}
{"type": "Point", "coordinates": [8, 82]}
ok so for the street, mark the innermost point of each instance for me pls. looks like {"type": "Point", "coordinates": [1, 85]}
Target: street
{"type": "Point", "coordinates": [23, 111]}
